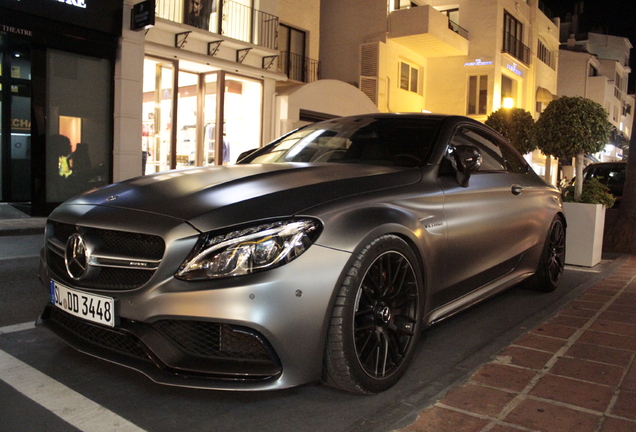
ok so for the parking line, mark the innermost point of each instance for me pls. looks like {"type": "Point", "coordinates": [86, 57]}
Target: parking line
{"type": "Point", "coordinates": [64, 402]}
{"type": "Point", "coordinates": [2, 258]}
{"type": "Point", "coordinates": [17, 327]}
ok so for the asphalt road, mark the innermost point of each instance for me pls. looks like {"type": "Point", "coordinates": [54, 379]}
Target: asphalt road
{"type": "Point", "coordinates": [45, 385]}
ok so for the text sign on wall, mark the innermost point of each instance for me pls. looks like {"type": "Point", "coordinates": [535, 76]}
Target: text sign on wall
{"type": "Point", "coordinates": [76, 3]}
{"type": "Point", "coordinates": [143, 15]}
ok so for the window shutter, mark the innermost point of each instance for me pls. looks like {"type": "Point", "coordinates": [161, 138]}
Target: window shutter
{"type": "Point", "coordinates": [369, 54]}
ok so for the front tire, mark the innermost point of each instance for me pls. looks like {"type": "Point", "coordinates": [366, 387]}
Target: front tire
{"type": "Point", "coordinates": [376, 320]}
{"type": "Point", "coordinates": [552, 262]}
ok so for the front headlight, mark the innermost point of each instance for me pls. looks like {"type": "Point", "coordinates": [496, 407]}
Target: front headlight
{"type": "Point", "coordinates": [249, 250]}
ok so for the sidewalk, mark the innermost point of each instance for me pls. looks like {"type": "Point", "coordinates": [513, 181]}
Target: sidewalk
{"type": "Point", "coordinates": [576, 372]}
{"type": "Point", "coordinates": [14, 222]}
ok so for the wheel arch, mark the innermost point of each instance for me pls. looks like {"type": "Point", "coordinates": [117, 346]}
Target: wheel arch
{"type": "Point", "coordinates": [358, 228]}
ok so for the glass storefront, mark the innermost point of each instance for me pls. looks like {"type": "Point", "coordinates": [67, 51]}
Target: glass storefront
{"type": "Point", "coordinates": [243, 102]}
{"type": "Point", "coordinates": [56, 100]}
{"type": "Point", "coordinates": [15, 112]}
{"type": "Point", "coordinates": [194, 111]}
{"type": "Point", "coordinates": [78, 134]}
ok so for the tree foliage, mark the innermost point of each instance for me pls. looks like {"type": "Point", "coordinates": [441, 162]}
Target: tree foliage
{"type": "Point", "coordinates": [514, 124]}
{"type": "Point", "coordinates": [571, 126]}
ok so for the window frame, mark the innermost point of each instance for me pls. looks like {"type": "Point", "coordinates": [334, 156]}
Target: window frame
{"type": "Point", "coordinates": [412, 81]}
{"type": "Point", "coordinates": [508, 158]}
{"type": "Point", "coordinates": [476, 94]}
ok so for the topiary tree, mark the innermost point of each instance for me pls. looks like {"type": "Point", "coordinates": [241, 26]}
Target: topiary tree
{"type": "Point", "coordinates": [572, 127]}
{"type": "Point", "coordinates": [514, 124]}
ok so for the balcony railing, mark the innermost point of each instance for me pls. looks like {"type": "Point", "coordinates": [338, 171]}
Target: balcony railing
{"type": "Point", "coordinates": [458, 29]}
{"type": "Point", "coordinates": [227, 18]}
{"type": "Point", "coordinates": [298, 67]}
{"type": "Point", "coordinates": [249, 25]}
{"type": "Point", "coordinates": [516, 48]}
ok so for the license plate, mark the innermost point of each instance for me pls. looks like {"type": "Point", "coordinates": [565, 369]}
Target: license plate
{"type": "Point", "coordinates": [91, 307]}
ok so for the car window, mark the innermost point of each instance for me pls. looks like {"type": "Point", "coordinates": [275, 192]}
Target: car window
{"type": "Point", "coordinates": [607, 174]}
{"type": "Point", "coordinates": [492, 157]}
{"type": "Point", "coordinates": [496, 155]}
{"type": "Point", "coordinates": [381, 141]}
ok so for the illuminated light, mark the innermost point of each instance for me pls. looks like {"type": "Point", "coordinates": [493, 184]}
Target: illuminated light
{"type": "Point", "coordinates": [426, 111]}
{"type": "Point", "coordinates": [508, 102]}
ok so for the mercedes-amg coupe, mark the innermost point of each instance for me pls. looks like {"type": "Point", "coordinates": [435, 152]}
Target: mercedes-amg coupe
{"type": "Point", "coordinates": [319, 257]}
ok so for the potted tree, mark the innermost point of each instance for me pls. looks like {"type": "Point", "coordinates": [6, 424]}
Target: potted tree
{"type": "Point", "coordinates": [514, 124]}
{"type": "Point", "coordinates": [571, 127]}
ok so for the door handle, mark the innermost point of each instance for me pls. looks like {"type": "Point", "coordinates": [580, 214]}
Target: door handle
{"type": "Point", "coordinates": [516, 189]}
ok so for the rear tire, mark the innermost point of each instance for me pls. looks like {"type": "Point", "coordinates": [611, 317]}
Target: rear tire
{"type": "Point", "coordinates": [376, 320]}
{"type": "Point", "coordinates": [552, 262]}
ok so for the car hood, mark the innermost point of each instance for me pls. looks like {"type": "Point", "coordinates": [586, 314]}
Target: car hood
{"type": "Point", "coordinates": [211, 197]}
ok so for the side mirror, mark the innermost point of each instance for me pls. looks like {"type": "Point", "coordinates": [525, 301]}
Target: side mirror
{"type": "Point", "coordinates": [466, 160]}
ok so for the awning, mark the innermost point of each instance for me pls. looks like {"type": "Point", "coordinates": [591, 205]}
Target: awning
{"type": "Point", "coordinates": [544, 95]}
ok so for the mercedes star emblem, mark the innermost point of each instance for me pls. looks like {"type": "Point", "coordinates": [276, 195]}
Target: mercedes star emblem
{"type": "Point", "coordinates": [76, 256]}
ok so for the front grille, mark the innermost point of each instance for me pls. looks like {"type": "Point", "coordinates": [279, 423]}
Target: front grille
{"type": "Point", "coordinates": [195, 348]}
{"type": "Point", "coordinates": [214, 340]}
{"type": "Point", "coordinates": [116, 243]}
{"type": "Point", "coordinates": [111, 339]}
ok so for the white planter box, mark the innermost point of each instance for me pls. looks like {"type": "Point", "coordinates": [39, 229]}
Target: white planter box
{"type": "Point", "coordinates": [584, 241]}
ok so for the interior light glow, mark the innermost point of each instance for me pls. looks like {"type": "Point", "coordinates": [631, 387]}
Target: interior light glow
{"type": "Point", "coordinates": [508, 102]}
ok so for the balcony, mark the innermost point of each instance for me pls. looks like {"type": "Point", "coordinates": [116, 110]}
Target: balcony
{"type": "Point", "coordinates": [298, 68]}
{"type": "Point", "coordinates": [428, 32]}
{"type": "Point", "coordinates": [227, 18]}
{"type": "Point", "coordinates": [516, 48]}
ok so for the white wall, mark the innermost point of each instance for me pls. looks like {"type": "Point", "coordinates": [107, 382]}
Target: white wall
{"type": "Point", "coordinates": [128, 101]}
{"type": "Point", "coordinates": [331, 97]}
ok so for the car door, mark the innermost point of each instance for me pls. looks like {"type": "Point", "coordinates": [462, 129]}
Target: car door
{"type": "Point", "coordinates": [487, 227]}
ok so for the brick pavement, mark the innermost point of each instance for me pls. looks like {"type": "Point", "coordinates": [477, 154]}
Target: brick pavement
{"type": "Point", "coordinates": [574, 373]}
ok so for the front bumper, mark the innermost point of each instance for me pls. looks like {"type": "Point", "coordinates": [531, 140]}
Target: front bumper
{"type": "Point", "coordinates": [262, 331]}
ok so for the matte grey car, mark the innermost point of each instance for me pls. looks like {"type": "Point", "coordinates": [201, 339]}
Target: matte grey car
{"type": "Point", "coordinates": [321, 256]}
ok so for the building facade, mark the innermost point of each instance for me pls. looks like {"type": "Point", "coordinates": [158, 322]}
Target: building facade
{"type": "Point", "coordinates": [99, 91]}
{"type": "Point", "coordinates": [597, 67]}
{"type": "Point", "coordinates": [57, 69]}
{"type": "Point", "coordinates": [463, 57]}
{"type": "Point", "coordinates": [466, 57]}
{"type": "Point", "coordinates": [220, 78]}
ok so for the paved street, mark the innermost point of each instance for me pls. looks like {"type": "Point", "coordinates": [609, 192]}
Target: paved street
{"type": "Point", "coordinates": [47, 385]}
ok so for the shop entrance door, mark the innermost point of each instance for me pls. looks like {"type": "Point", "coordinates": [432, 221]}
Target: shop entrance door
{"type": "Point", "coordinates": [15, 120]}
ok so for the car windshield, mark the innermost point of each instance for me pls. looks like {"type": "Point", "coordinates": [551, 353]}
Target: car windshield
{"type": "Point", "coordinates": [608, 174]}
{"type": "Point", "coordinates": [366, 140]}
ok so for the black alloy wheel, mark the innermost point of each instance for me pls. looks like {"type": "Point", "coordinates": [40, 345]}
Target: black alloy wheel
{"type": "Point", "coordinates": [552, 263]}
{"type": "Point", "coordinates": [372, 336]}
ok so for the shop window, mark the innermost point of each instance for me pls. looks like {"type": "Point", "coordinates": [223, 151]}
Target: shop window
{"type": "Point", "coordinates": [15, 113]}
{"type": "Point", "coordinates": [201, 134]}
{"type": "Point", "coordinates": [243, 113]}
{"type": "Point", "coordinates": [157, 115]}
{"type": "Point", "coordinates": [477, 95]}
{"type": "Point", "coordinates": [187, 119]}
{"type": "Point", "coordinates": [508, 92]}
{"type": "Point", "coordinates": [79, 124]}
{"type": "Point", "coordinates": [409, 76]}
